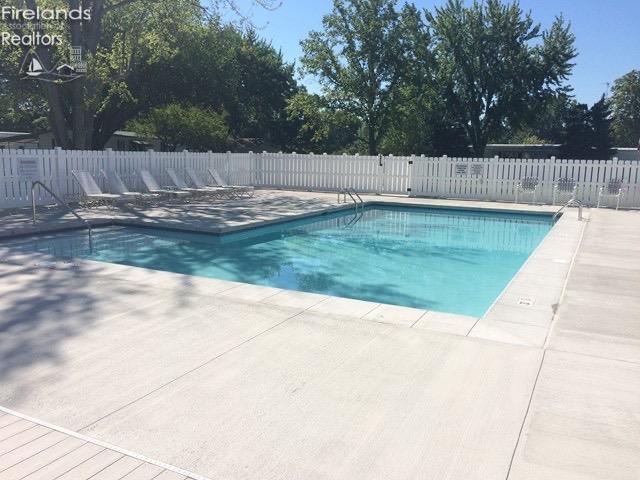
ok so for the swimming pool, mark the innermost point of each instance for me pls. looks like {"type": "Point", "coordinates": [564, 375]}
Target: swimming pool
{"type": "Point", "coordinates": [455, 261]}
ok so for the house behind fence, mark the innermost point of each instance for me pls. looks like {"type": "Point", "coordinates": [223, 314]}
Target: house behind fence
{"type": "Point", "coordinates": [492, 179]}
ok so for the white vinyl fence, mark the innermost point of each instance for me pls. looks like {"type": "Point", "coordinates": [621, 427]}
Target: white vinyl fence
{"type": "Point", "coordinates": [493, 179]}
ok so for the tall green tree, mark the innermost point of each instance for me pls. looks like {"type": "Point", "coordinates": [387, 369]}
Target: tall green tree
{"type": "Point", "coordinates": [494, 62]}
{"type": "Point", "coordinates": [416, 110]}
{"type": "Point", "coordinates": [625, 105]}
{"type": "Point", "coordinates": [319, 128]}
{"type": "Point", "coordinates": [359, 57]}
{"type": "Point", "coordinates": [576, 142]}
{"type": "Point", "coordinates": [587, 131]}
{"type": "Point", "coordinates": [601, 131]}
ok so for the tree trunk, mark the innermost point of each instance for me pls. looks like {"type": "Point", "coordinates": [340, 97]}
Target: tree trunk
{"type": "Point", "coordinates": [371, 141]}
{"type": "Point", "coordinates": [57, 118]}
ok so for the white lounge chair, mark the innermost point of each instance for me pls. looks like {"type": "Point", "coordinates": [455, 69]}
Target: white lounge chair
{"type": "Point", "coordinates": [199, 183]}
{"type": "Point", "coordinates": [116, 185]}
{"type": "Point", "coordinates": [91, 190]}
{"type": "Point", "coordinates": [564, 189]}
{"type": "Point", "coordinates": [152, 186]}
{"type": "Point", "coordinates": [613, 189]}
{"type": "Point", "coordinates": [180, 183]}
{"type": "Point", "coordinates": [527, 185]}
{"type": "Point", "coordinates": [238, 190]}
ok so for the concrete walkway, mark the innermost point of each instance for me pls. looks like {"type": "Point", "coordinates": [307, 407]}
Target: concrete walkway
{"type": "Point", "coordinates": [232, 381]}
{"type": "Point", "coordinates": [584, 419]}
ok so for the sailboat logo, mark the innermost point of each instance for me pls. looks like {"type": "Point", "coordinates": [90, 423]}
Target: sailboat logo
{"type": "Point", "coordinates": [33, 68]}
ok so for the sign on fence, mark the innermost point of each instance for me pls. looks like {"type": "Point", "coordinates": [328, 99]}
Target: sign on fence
{"type": "Point", "coordinates": [28, 169]}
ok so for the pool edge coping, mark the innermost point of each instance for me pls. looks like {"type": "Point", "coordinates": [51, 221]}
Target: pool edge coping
{"type": "Point", "coordinates": [72, 224]}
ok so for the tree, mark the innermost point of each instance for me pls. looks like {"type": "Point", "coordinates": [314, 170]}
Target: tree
{"type": "Point", "coordinates": [319, 128]}
{"type": "Point", "coordinates": [416, 111]}
{"type": "Point", "coordinates": [545, 122]}
{"type": "Point", "coordinates": [125, 42]}
{"type": "Point", "coordinates": [577, 133]}
{"type": "Point", "coordinates": [494, 62]}
{"type": "Point", "coordinates": [600, 123]}
{"type": "Point", "coordinates": [359, 58]}
{"type": "Point", "coordinates": [587, 131]}
{"type": "Point", "coordinates": [221, 68]}
{"type": "Point", "coordinates": [188, 127]}
{"type": "Point", "coordinates": [625, 105]}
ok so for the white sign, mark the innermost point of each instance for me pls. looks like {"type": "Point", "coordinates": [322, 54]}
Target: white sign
{"type": "Point", "coordinates": [28, 168]}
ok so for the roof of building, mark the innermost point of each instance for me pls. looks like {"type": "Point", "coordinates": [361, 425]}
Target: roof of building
{"type": "Point", "coordinates": [11, 134]}
{"type": "Point", "coordinates": [524, 145]}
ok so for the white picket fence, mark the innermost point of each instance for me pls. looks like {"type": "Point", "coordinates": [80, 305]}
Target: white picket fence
{"type": "Point", "coordinates": [492, 179]}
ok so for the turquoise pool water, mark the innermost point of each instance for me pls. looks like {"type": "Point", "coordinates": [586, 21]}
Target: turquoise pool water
{"type": "Point", "coordinates": [454, 261]}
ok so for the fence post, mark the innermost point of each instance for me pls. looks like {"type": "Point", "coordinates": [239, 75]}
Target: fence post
{"type": "Point", "coordinates": [410, 175]}
{"type": "Point", "coordinates": [251, 160]}
{"type": "Point", "coordinates": [547, 181]}
{"type": "Point", "coordinates": [149, 159]}
{"type": "Point", "coordinates": [492, 177]}
{"type": "Point", "coordinates": [380, 175]}
{"type": "Point", "coordinates": [258, 178]}
{"type": "Point", "coordinates": [58, 160]}
{"type": "Point", "coordinates": [108, 164]}
{"type": "Point", "coordinates": [442, 175]}
{"type": "Point", "coordinates": [228, 167]}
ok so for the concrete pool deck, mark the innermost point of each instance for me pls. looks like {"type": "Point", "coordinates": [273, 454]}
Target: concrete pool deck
{"type": "Point", "coordinates": [237, 381]}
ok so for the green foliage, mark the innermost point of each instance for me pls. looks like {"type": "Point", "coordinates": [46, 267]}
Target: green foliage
{"type": "Point", "coordinates": [222, 68]}
{"type": "Point", "coordinates": [186, 127]}
{"type": "Point", "coordinates": [527, 137]}
{"type": "Point", "coordinates": [577, 133]}
{"type": "Point", "coordinates": [147, 53]}
{"type": "Point", "coordinates": [493, 61]}
{"type": "Point", "coordinates": [625, 105]}
{"type": "Point", "coordinates": [359, 58]}
{"type": "Point", "coordinates": [587, 131]}
{"type": "Point", "coordinates": [319, 128]}
{"type": "Point", "coordinates": [600, 123]}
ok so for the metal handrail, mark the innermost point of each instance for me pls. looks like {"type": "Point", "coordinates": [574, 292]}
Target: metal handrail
{"type": "Point", "coordinates": [61, 202]}
{"type": "Point", "coordinates": [357, 195]}
{"type": "Point", "coordinates": [571, 201]}
{"type": "Point", "coordinates": [345, 192]}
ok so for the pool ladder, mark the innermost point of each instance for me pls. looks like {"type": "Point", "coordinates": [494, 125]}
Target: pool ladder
{"type": "Point", "coordinates": [571, 201]}
{"type": "Point", "coordinates": [351, 192]}
{"type": "Point", "coordinates": [61, 202]}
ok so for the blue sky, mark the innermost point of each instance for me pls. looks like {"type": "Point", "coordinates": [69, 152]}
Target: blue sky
{"type": "Point", "coordinates": [607, 34]}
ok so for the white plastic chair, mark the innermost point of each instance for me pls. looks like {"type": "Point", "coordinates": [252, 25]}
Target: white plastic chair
{"type": "Point", "coordinates": [613, 189]}
{"type": "Point", "coordinates": [564, 187]}
{"type": "Point", "coordinates": [527, 185]}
